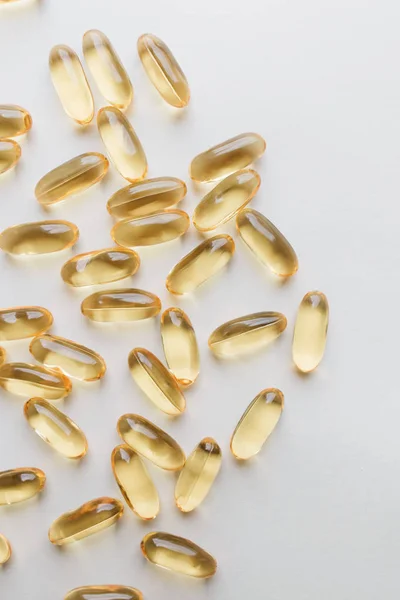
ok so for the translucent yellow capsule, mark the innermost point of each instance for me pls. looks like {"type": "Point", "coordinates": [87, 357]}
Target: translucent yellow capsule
{"type": "Point", "coordinates": [200, 264]}
{"type": "Point", "coordinates": [180, 346]}
{"type": "Point", "coordinates": [267, 242]}
{"type": "Point", "coordinates": [100, 266]}
{"type": "Point", "coordinates": [104, 592]}
{"type": "Point", "coordinates": [146, 197]}
{"type": "Point", "coordinates": [226, 158]}
{"type": "Point", "coordinates": [154, 229]}
{"type": "Point", "coordinates": [134, 482]}
{"type": "Point", "coordinates": [71, 85]}
{"type": "Point", "coordinates": [55, 428]}
{"type": "Point", "coordinates": [72, 177]}
{"type": "Point", "coordinates": [178, 554]}
{"type": "Point", "coordinates": [2, 356]}
{"type": "Point", "coordinates": [24, 379]}
{"type": "Point", "coordinates": [5, 549]}
{"type": "Point", "coordinates": [310, 331]}
{"type": "Point", "coordinates": [122, 144]}
{"type": "Point", "coordinates": [151, 442]}
{"type": "Point", "coordinates": [24, 322]}
{"type": "Point", "coordinates": [107, 70]}
{"type": "Point", "coordinates": [226, 199]}
{"type": "Point", "coordinates": [41, 237]}
{"type": "Point", "coordinates": [10, 153]}
{"type": "Point", "coordinates": [90, 518]}
{"type": "Point", "coordinates": [126, 304]}
{"type": "Point", "coordinates": [198, 474]}
{"type": "Point", "coordinates": [18, 485]}
{"type": "Point", "coordinates": [257, 423]}
{"type": "Point", "coordinates": [14, 121]}
{"type": "Point", "coordinates": [246, 334]}
{"type": "Point", "coordinates": [163, 70]}
{"type": "Point", "coordinates": [159, 385]}
{"type": "Point", "coordinates": [73, 359]}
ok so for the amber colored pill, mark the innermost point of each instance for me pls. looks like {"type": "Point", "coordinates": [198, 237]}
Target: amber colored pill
{"type": "Point", "coordinates": [122, 144]}
{"type": "Point", "coordinates": [100, 266]}
{"type": "Point", "coordinates": [18, 485]}
{"type": "Point", "coordinates": [163, 70]}
{"type": "Point", "coordinates": [200, 264]}
{"type": "Point", "coordinates": [257, 423]}
{"type": "Point", "coordinates": [178, 554]}
{"type": "Point", "coordinates": [155, 229]}
{"type": "Point", "coordinates": [10, 153]}
{"type": "Point", "coordinates": [126, 304]}
{"type": "Point", "coordinates": [2, 356]}
{"type": "Point", "coordinates": [310, 331]}
{"type": "Point", "coordinates": [5, 549]}
{"type": "Point", "coordinates": [41, 237]}
{"type": "Point", "coordinates": [24, 379]}
{"type": "Point", "coordinates": [159, 385]}
{"type": "Point", "coordinates": [151, 442]}
{"type": "Point", "coordinates": [92, 517]}
{"type": "Point", "coordinates": [104, 592]}
{"type": "Point", "coordinates": [24, 322]}
{"type": "Point", "coordinates": [135, 482]}
{"type": "Point", "coordinates": [107, 70]}
{"type": "Point", "coordinates": [55, 428]}
{"type": "Point", "coordinates": [246, 334]}
{"type": "Point", "coordinates": [180, 346]}
{"type": "Point", "coordinates": [198, 475]}
{"type": "Point", "coordinates": [71, 85]}
{"type": "Point", "coordinates": [14, 121]}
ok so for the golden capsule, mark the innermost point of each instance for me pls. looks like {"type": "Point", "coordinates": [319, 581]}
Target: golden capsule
{"type": "Point", "coordinates": [90, 518]}
{"type": "Point", "coordinates": [154, 229]}
{"type": "Point", "coordinates": [107, 70]}
{"type": "Point", "coordinates": [257, 423]}
{"type": "Point", "coordinates": [18, 485]}
{"type": "Point", "coordinates": [10, 153]}
{"type": "Point", "coordinates": [126, 304]}
{"type": "Point", "coordinates": [178, 554]}
{"type": "Point", "coordinates": [159, 385]}
{"type": "Point", "coordinates": [104, 592]}
{"type": "Point", "coordinates": [198, 475]}
{"type": "Point", "coordinates": [180, 346]}
{"type": "Point", "coordinates": [246, 334]}
{"type": "Point", "coordinates": [5, 549]}
{"type": "Point", "coordinates": [134, 482]}
{"type": "Point", "coordinates": [55, 428]}
{"type": "Point", "coordinates": [71, 85]}
{"type": "Point", "coordinates": [24, 322]}
{"type": "Point", "coordinates": [2, 356]}
{"type": "Point", "coordinates": [226, 199]}
{"type": "Point", "coordinates": [41, 237]}
{"type": "Point", "coordinates": [163, 70]}
{"type": "Point", "coordinates": [14, 121]}
{"type": "Point", "coordinates": [200, 264]}
{"type": "Point", "coordinates": [72, 177]}
{"type": "Point", "coordinates": [310, 331]}
{"type": "Point", "coordinates": [122, 144]}
{"type": "Point", "coordinates": [151, 442]}
{"type": "Point", "coordinates": [100, 266]}
{"type": "Point", "coordinates": [146, 197]}
{"type": "Point", "coordinates": [24, 379]}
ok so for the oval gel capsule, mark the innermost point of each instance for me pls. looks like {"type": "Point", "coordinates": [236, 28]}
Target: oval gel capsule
{"type": "Point", "coordinates": [310, 331]}
{"type": "Point", "coordinates": [104, 592]}
{"type": "Point", "coordinates": [24, 379]}
{"type": "Point", "coordinates": [24, 322]}
{"type": "Point", "coordinates": [21, 484]}
{"type": "Point", "coordinates": [126, 304]}
{"type": "Point", "coordinates": [41, 237]}
{"type": "Point", "coordinates": [180, 346]}
{"type": "Point", "coordinates": [14, 121]}
{"type": "Point", "coordinates": [154, 229]}
{"type": "Point", "coordinates": [5, 549]}
{"type": "Point", "coordinates": [2, 356]}
{"type": "Point", "coordinates": [10, 153]}
{"type": "Point", "coordinates": [100, 266]}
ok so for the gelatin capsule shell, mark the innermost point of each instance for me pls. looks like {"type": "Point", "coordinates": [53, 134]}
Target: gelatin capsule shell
{"type": "Point", "coordinates": [10, 153]}
{"type": "Point", "coordinates": [17, 485]}
{"type": "Point", "coordinates": [154, 229]}
{"type": "Point", "coordinates": [40, 237]}
{"type": "Point", "coordinates": [104, 592]}
{"type": "Point", "coordinates": [24, 379]}
{"type": "Point", "coordinates": [180, 346]}
{"type": "Point", "coordinates": [126, 304]}
{"type": "Point", "coordinates": [310, 331]}
{"type": "Point", "coordinates": [14, 121]}
{"type": "Point", "coordinates": [100, 266]}
{"type": "Point", "coordinates": [5, 549]}
{"type": "Point", "coordinates": [3, 355]}
{"type": "Point", "coordinates": [24, 322]}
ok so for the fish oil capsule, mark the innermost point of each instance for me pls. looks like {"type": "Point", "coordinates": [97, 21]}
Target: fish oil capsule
{"type": "Point", "coordinates": [5, 550]}
{"type": "Point", "coordinates": [90, 518]}
{"type": "Point", "coordinates": [246, 334]}
{"type": "Point", "coordinates": [146, 197]}
{"type": "Point", "coordinates": [180, 346]}
{"type": "Point", "coordinates": [10, 153]}
{"type": "Point", "coordinates": [257, 423]}
{"type": "Point", "coordinates": [41, 237]}
{"type": "Point", "coordinates": [126, 304]}
{"type": "Point", "coordinates": [24, 379]}
{"type": "Point", "coordinates": [55, 428]}
{"type": "Point", "coordinates": [178, 554]}
{"type": "Point", "coordinates": [154, 229]}
{"type": "Point", "coordinates": [72, 177]}
{"type": "Point", "coordinates": [200, 264]}
{"type": "Point", "coordinates": [198, 474]}
{"type": "Point", "coordinates": [163, 70]}
{"type": "Point", "coordinates": [104, 592]}
{"type": "Point", "coordinates": [107, 70]}
{"type": "Point", "coordinates": [24, 322]}
{"type": "Point", "coordinates": [134, 482]}
{"type": "Point", "coordinates": [18, 485]}
{"type": "Point", "coordinates": [14, 121]}
{"type": "Point", "coordinates": [123, 145]}
{"type": "Point", "coordinates": [159, 385]}
{"type": "Point", "coordinates": [310, 331]}
{"type": "Point", "coordinates": [226, 199]}
{"type": "Point", "coordinates": [226, 158]}
{"type": "Point", "coordinates": [71, 85]}
{"type": "Point", "coordinates": [150, 441]}
{"type": "Point", "coordinates": [2, 356]}
{"type": "Point", "coordinates": [100, 266]}
{"type": "Point", "coordinates": [267, 242]}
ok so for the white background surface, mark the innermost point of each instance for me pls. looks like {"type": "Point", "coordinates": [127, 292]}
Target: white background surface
{"type": "Point", "coordinates": [316, 514]}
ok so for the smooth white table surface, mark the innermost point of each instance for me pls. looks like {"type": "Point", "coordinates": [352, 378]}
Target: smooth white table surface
{"type": "Point", "coordinates": [316, 514]}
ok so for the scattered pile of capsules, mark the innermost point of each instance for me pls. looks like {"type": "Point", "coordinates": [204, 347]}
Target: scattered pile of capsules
{"type": "Point", "coordinates": [144, 217]}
